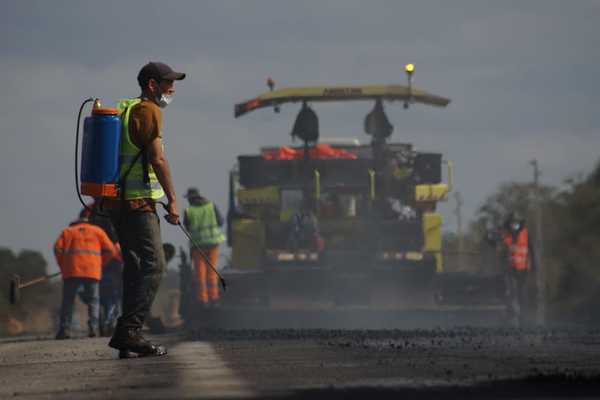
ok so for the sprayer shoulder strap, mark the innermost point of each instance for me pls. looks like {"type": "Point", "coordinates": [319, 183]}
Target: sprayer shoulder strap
{"type": "Point", "coordinates": [123, 178]}
{"type": "Point", "coordinates": [145, 166]}
{"type": "Point", "coordinates": [141, 152]}
{"type": "Point", "coordinates": [125, 110]}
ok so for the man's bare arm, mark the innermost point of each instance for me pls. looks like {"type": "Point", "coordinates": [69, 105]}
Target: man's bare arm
{"type": "Point", "coordinates": [160, 164]}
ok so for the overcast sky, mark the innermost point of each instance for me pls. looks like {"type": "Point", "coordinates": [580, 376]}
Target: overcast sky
{"type": "Point", "coordinates": [522, 76]}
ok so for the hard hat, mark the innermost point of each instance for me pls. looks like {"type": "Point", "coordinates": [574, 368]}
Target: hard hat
{"type": "Point", "coordinates": [192, 193]}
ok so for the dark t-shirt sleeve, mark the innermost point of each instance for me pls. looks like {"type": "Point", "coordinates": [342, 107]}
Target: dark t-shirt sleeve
{"type": "Point", "coordinates": [144, 123]}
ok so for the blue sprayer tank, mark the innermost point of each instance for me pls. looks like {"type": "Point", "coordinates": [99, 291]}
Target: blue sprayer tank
{"type": "Point", "coordinates": [100, 152]}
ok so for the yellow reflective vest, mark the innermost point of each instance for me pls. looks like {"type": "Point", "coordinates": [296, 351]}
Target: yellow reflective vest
{"type": "Point", "coordinates": [202, 224]}
{"type": "Point", "coordinates": [138, 184]}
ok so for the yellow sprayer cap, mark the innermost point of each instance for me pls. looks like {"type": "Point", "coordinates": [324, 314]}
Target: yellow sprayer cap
{"type": "Point", "coordinates": [100, 110]}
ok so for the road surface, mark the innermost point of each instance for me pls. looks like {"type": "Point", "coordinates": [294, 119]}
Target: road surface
{"type": "Point", "coordinates": [302, 364]}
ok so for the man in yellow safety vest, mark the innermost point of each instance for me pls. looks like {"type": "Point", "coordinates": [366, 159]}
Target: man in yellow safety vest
{"type": "Point", "coordinates": [145, 178]}
{"type": "Point", "coordinates": [203, 220]}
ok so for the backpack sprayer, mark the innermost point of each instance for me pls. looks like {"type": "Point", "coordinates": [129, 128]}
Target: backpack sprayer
{"type": "Point", "coordinates": [100, 175]}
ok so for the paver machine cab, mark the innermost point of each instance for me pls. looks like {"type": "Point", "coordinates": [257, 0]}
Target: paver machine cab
{"type": "Point", "coordinates": [334, 222]}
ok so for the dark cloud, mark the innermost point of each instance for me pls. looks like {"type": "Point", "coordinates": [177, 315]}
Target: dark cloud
{"type": "Point", "coordinates": [521, 75]}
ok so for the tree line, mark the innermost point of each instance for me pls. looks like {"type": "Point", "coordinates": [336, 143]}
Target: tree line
{"type": "Point", "coordinates": [570, 227]}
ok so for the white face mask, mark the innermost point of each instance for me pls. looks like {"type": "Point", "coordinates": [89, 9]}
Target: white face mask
{"type": "Point", "coordinates": [515, 226]}
{"type": "Point", "coordinates": [164, 100]}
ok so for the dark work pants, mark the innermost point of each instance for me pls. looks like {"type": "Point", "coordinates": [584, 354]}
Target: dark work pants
{"type": "Point", "coordinates": [87, 289]}
{"type": "Point", "coordinates": [517, 296]}
{"type": "Point", "coordinates": [144, 264]}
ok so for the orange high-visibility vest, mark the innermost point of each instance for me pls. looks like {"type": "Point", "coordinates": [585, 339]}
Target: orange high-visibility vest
{"type": "Point", "coordinates": [82, 249]}
{"type": "Point", "coordinates": [518, 249]}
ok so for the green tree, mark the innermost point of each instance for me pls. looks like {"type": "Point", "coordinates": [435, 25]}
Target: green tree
{"type": "Point", "coordinates": [512, 197]}
{"type": "Point", "coordinates": [573, 251]}
{"type": "Point", "coordinates": [571, 234]}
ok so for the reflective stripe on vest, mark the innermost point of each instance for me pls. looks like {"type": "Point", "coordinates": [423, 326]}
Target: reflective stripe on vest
{"type": "Point", "coordinates": [79, 251]}
{"type": "Point", "coordinates": [203, 225]}
{"type": "Point", "coordinates": [137, 186]}
{"type": "Point", "coordinates": [518, 249]}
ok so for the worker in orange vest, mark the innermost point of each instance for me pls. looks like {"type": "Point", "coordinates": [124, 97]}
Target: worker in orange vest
{"type": "Point", "coordinates": [519, 256]}
{"type": "Point", "coordinates": [81, 250]}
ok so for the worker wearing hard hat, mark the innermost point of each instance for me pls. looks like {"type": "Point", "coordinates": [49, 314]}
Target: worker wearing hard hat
{"type": "Point", "coordinates": [203, 220]}
{"type": "Point", "coordinates": [519, 256]}
{"type": "Point", "coordinates": [80, 251]}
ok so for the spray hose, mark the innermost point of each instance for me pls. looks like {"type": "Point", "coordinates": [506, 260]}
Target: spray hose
{"type": "Point", "coordinates": [198, 248]}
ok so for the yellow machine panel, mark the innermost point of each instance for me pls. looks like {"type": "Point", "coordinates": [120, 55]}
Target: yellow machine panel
{"type": "Point", "coordinates": [437, 192]}
{"type": "Point", "coordinates": [432, 226]}
{"type": "Point", "coordinates": [264, 195]}
{"type": "Point", "coordinates": [249, 240]}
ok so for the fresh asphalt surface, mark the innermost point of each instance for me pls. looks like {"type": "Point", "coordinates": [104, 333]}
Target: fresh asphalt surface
{"type": "Point", "coordinates": [297, 364]}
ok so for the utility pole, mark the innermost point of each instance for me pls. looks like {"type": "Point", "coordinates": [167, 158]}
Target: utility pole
{"type": "Point", "coordinates": [538, 246]}
{"type": "Point", "coordinates": [459, 231]}
{"type": "Point", "coordinates": [458, 213]}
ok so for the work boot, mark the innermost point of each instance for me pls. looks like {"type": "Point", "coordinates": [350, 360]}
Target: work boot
{"type": "Point", "coordinates": [62, 335]}
{"type": "Point", "coordinates": [130, 354]}
{"type": "Point", "coordinates": [130, 340]}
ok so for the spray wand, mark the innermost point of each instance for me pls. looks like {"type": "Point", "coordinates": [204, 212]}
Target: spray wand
{"type": "Point", "coordinates": [197, 246]}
